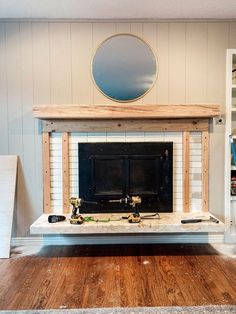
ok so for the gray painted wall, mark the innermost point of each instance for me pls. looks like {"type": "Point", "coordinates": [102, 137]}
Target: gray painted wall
{"type": "Point", "coordinates": [42, 62]}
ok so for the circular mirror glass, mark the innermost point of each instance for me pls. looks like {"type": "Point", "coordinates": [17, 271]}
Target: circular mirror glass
{"type": "Point", "coordinates": [124, 68]}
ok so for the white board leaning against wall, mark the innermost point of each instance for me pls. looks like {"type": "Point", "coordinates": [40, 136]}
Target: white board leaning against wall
{"type": "Point", "coordinates": [8, 170]}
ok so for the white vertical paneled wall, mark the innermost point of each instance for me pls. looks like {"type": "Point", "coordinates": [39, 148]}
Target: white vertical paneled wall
{"type": "Point", "coordinates": [49, 62]}
{"type": "Point", "coordinates": [175, 137]}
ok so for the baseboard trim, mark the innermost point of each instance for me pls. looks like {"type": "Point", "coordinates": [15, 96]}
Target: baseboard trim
{"type": "Point", "coordinates": [119, 239]}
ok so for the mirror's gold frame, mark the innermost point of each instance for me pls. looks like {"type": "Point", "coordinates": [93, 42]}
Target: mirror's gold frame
{"type": "Point", "coordinates": [91, 68]}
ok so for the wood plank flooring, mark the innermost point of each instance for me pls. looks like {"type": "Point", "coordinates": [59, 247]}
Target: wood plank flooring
{"type": "Point", "coordinates": [118, 276]}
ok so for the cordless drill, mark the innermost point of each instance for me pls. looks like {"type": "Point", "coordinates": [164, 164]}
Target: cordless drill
{"type": "Point", "coordinates": [76, 202]}
{"type": "Point", "coordinates": [134, 201]}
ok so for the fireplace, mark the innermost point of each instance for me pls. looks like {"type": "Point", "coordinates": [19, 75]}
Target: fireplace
{"type": "Point", "coordinates": [111, 171]}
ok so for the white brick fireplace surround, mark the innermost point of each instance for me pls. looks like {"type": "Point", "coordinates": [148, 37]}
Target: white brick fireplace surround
{"type": "Point", "coordinates": [185, 125]}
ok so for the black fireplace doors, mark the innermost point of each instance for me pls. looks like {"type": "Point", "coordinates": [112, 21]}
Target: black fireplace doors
{"type": "Point", "coordinates": [110, 171]}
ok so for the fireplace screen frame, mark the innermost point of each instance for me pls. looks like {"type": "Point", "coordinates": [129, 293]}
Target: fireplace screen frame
{"type": "Point", "coordinates": [158, 168]}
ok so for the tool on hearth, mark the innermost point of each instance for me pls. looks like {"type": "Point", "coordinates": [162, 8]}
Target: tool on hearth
{"type": "Point", "coordinates": [151, 216]}
{"type": "Point", "coordinates": [196, 220]}
{"type": "Point", "coordinates": [76, 202]}
{"type": "Point", "coordinates": [133, 201]}
{"type": "Point", "coordinates": [56, 218]}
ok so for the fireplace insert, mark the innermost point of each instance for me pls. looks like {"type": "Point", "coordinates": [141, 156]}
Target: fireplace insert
{"type": "Point", "coordinates": [110, 171]}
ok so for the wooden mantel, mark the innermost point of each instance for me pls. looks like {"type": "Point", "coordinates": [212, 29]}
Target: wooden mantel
{"type": "Point", "coordinates": [126, 111]}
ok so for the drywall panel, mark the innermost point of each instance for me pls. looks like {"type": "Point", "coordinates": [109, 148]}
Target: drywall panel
{"type": "Point", "coordinates": [8, 168]}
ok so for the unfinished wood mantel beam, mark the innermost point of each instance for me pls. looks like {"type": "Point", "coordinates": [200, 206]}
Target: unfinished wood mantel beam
{"type": "Point", "coordinates": [126, 111]}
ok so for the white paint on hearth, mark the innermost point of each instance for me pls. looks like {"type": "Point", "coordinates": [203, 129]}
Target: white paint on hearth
{"type": "Point", "coordinates": [118, 9]}
{"type": "Point", "coordinates": [117, 239]}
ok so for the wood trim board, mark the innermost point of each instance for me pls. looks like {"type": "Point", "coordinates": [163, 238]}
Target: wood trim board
{"type": "Point", "coordinates": [186, 171]}
{"type": "Point", "coordinates": [205, 170]}
{"type": "Point", "coordinates": [65, 173]}
{"type": "Point", "coordinates": [46, 173]}
{"type": "Point", "coordinates": [129, 125]}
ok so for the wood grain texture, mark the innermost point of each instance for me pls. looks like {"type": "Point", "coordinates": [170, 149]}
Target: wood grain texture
{"type": "Point", "coordinates": [205, 170]}
{"type": "Point", "coordinates": [46, 173]}
{"type": "Point", "coordinates": [127, 111]}
{"type": "Point", "coordinates": [117, 125]}
{"type": "Point", "coordinates": [118, 276]}
{"type": "Point", "coordinates": [186, 172]}
{"type": "Point", "coordinates": [65, 172]}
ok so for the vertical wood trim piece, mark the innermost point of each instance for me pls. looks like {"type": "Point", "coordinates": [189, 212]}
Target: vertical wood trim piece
{"type": "Point", "coordinates": [186, 174]}
{"type": "Point", "coordinates": [65, 172]}
{"type": "Point", "coordinates": [46, 173]}
{"type": "Point", "coordinates": [205, 170]}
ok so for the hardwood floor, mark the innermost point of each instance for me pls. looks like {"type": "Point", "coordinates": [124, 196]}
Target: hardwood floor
{"type": "Point", "coordinates": [118, 275]}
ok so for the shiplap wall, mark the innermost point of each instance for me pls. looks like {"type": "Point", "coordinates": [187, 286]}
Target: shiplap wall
{"type": "Point", "coordinates": [49, 62]}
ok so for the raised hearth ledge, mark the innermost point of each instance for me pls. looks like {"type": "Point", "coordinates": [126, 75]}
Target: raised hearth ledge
{"type": "Point", "coordinates": [169, 223]}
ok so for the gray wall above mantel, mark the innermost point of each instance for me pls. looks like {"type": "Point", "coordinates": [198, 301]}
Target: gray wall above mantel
{"type": "Point", "coordinates": [44, 62]}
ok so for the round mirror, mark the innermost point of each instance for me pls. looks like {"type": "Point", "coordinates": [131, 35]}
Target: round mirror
{"type": "Point", "coordinates": [124, 68]}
